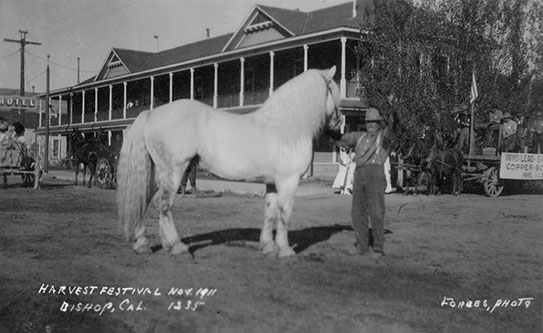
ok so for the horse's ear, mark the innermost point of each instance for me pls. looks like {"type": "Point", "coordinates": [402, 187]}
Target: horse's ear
{"type": "Point", "coordinates": [329, 76]}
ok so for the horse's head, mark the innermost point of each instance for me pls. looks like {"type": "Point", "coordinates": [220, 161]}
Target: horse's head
{"type": "Point", "coordinates": [332, 113]}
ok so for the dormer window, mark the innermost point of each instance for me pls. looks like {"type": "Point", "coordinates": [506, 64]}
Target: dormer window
{"type": "Point", "coordinates": [114, 64]}
{"type": "Point", "coordinates": [259, 26]}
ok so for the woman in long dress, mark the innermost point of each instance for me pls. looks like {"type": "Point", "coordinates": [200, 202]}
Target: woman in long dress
{"type": "Point", "coordinates": [344, 177]}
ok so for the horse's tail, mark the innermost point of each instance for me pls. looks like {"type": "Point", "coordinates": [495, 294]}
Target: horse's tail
{"type": "Point", "coordinates": [134, 172]}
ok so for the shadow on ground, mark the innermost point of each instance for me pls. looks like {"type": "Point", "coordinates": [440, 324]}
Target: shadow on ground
{"type": "Point", "coordinates": [302, 238]}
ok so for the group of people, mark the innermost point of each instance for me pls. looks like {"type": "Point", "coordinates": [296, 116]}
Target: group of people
{"type": "Point", "coordinates": [12, 142]}
{"type": "Point", "coordinates": [11, 134]}
{"type": "Point", "coordinates": [511, 139]}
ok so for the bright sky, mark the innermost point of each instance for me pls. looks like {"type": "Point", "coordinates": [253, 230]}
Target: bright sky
{"type": "Point", "coordinates": [88, 29]}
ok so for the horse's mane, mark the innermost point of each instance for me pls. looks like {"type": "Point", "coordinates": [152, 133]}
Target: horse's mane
{"type": "Point", "coordinates": [297, 109]}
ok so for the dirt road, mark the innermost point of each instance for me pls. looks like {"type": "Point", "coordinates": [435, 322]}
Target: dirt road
{"type": "Point", "coordinates": [453, 264]}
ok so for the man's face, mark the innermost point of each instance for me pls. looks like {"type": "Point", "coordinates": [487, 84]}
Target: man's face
{"type": "Point", "coordinates": [3, 125]}
{"type": "Point", "coordinates": [372, 127]}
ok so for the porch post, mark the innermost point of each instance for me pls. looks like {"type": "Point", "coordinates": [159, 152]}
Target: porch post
{"type": "Point", "coordinates": [59, 109]}
{"type": "Point", "coordinates": [306, 49]}
{"type": "Point", "coordinates": [110, 110]}
{"type": "Point", "coordinates": [171, 86]}
{"type": "Point", "coordinates": [272, 54]}
{"type": "Point", "coordinates": [242, 82]}
{"type": "Point", "coordinates": [124, 99]}
{"type": "Point", "coordinates": [71, 108]}
{"type": "Point", "coordinates": [152, 99]}
{"type": "Point", "coordinates": [343, 81]}
{"type": "Point", "coordinates": [83, 106]}
{"type": "Point", "coordinates": [192, 83]}
{"type": "Point", "coordinates": [95, 104]}
{"type": "Point", "coordinates": [215, 85]}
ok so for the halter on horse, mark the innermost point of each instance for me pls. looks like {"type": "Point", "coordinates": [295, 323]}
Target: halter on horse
{"type": "Point", "coordinates": [272, 144]}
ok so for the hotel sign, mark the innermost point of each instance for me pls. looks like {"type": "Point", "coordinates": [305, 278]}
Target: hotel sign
{"type": "Point", "coordinates": [18, 102]}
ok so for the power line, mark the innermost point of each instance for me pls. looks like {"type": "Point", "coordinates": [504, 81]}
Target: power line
{"type": "Point", "coordinates": [60, 65]}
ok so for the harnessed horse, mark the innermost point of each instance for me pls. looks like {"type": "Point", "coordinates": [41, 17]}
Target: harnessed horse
{"type": "Point", "coordinates": [85, 152]}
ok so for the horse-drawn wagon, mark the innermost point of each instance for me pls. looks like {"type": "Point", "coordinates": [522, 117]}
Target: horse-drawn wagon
{"type": "Point", "coordinates": [96, 156]}
{"type": "Point", "coordinates": [16, 159]}
{"type": "Point", "coordinates": [494, 169]}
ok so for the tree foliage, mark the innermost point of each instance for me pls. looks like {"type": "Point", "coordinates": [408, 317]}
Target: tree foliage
{"type": "Point", "coordinates": [426, 54]}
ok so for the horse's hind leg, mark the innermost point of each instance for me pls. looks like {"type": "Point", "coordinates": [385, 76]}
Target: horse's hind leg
{"type": "Point", "coordinates": [286, 191]}
{"type": "Point", "coordinates": [165, 199]}
{"type": "Point", "coordinates": [271, 216]}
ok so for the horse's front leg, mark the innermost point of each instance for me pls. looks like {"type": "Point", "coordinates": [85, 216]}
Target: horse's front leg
{"type": "Point", "coordinates": [286, 191]}
{"type": "Point", "coordinates": [76, 174]}
{"type": "Point", "coordinates": [84, 174]}
{"type": "Point", "coordinates": [271, 216]}
{"type": "Point", "coordinates": [92, 171]}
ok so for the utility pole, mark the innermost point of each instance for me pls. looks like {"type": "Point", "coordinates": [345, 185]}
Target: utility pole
{"type": "Point", "coordinates": [156, 37]}
{"type": "Point", "coordinates": [23, 43]}
{"type": "Point", "coordinates": [47, 119]}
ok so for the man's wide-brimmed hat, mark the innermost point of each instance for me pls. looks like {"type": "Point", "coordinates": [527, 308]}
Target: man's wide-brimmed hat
{"type": "Point", "coordinates": [507, 115]}
{"type": "Point", "coordinates": [373, 115]}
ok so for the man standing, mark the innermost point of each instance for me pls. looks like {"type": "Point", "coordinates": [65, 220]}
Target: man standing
{"type": "Point", "coordinates": [509, 133]}
{"type": "Point", "coordinates": [368, 205]}
{"type": "Point", "coordinates": [462, 119]}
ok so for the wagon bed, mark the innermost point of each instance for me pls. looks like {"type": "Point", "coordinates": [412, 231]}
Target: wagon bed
{"type": "Point", "coordinates": [16, 160]}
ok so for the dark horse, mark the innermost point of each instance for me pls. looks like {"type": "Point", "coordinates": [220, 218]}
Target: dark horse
{"type": "Point", "coordinates": [85, 152]}
{"type": "Point", "coordinates": [446, 166]}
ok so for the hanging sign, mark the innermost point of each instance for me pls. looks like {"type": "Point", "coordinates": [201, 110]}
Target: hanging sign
{"type": "Point", "coordinates": [18, 102]}
{"type": "Point", "coordinates": [521, 166]}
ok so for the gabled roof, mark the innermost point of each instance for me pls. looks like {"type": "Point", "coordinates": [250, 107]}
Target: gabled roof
{"type": "Point", "coordinates": [187, 52]}
{"type": "Point", "coordinates": [133, 60]}
{"type": "Point", "coordinates": [286, 23]}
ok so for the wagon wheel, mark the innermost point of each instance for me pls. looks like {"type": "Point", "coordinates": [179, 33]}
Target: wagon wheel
{"type": "Point", "coordinates": [103, 173]}
{"type": "Point", "coordinates": [28, 176]}
{"type": "Point", "coordinates": [492, 185]}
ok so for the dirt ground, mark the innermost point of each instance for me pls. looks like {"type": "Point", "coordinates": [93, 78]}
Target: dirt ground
{"type": "Point", "coordinates": [453, 264]}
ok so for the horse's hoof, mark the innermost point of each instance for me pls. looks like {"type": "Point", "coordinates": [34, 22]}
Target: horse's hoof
{"type": "Point", "coordinates": [142, 246]}
{"type": "Point", "coordinates": [179, 248]}
{"type": "Point", "coordinates": [286, 252]}
{"type": "Point", "coordinates": [268, 248]}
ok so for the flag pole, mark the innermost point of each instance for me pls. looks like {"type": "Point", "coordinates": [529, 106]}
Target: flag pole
{"type": "Point", "coordinates": [473, 96]}
{"type": "Point", "coordinates": [471, 134]}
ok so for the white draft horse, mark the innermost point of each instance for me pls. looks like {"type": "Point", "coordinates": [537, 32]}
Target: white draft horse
{"type": "Point", "coordinates": [272, 144]}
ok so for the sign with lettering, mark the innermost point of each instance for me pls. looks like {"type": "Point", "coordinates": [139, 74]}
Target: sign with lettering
{"type": "Point", "coordinates": [18, 102]}
{"type": "Point", "coordinates": [521, 166]}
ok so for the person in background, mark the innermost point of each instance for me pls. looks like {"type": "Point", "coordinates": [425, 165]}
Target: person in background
{"type": "Point", "coordinates": [368, 204]}
{"type": "Point", "coordinates": [509, 131]}
{"type": "Point", "coordinates": [461, 117]}
{"type": "Point", "coordinates": [344, 161]}
{"type": "Point", "coordinates": [536, 130]}
{"type": "Point", "coordinates": [3, 129]}
{"type": "Point", "coordinates": [388, 189]}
